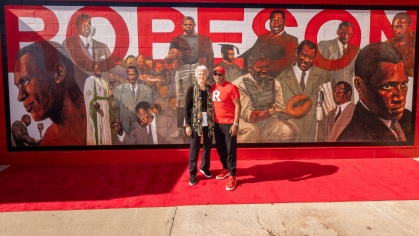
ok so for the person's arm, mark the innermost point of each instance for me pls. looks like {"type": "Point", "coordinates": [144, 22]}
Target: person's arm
{"type": "Point", "coordinates": [259, 115]}
{"type": "Point", "coordinates": [188, 109]}
{"type": "Point", "coordinates": [290, 47]}
{"type": "Point", "coordinates": [247, 112]}
{"type": "Point", "coordinates": [277, 108]}
{"type": "Point", "coordinates": [174, 52]}
{"type": "Point", "coordinates": [237, 110]}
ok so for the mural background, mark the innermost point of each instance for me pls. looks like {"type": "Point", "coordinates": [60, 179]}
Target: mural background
{"type": "Point", "coordinates": [240, 31]}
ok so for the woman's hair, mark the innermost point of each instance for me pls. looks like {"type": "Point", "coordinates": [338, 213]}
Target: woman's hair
{"type": "Point", "coordinates": [201, 68]}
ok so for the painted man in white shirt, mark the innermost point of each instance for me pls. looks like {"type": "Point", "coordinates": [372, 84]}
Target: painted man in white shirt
{"type": "Point", "coordinates": [97, 101]}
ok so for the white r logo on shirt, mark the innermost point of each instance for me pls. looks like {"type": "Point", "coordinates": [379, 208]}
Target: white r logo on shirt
{"type": "Point", "coordinates": [216, 96]}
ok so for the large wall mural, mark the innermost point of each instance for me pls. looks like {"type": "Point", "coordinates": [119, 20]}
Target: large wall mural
{"type": "Point", "coordinates": [87, 76]}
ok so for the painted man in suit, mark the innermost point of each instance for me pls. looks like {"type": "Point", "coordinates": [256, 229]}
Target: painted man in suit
{"type": "Point", "coordinates": [339, 118]}
{"type": "Point", "coordinates": [404, 40]}
{"type": "Point", "coordinates": [339, 47]}
{"type": "Point", "coordinates": [302, 77]}
{"type": "Point", "coordinates": [278, 46]}
{"type": "Point", "coordinates": [43, 74]}
{"type": "Point", "coordinates": [20, 133]}
{"type": "Point", "coordinates": [147, 128]}
{"type": "Point", "coordinates": [382, 83]}
{"type": "Point", "coordinates": [85, 50]}
{"type": "Point", "coordinates": [262, 106]}
{"type": "Point", "coordinates": [191, 50]}
{"type": "Point", "coordinates": [128, 95]}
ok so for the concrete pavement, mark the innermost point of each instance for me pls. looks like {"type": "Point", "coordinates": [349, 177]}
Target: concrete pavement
{"type": "Point", "coordinates": [325, 219]}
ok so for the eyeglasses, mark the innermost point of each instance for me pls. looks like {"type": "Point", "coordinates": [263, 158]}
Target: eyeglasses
{"type": "Point", "coordinates": [219, 74]}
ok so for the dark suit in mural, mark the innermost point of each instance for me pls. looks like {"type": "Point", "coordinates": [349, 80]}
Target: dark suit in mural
{"type": "Point", "coordinates": [367, 127]}
{"type": "Point", "coordinates": [80, 54]}
{"type": "Point", "coordinates": [85, 50]}
{"type": "Point", "coordinates": [382, 85]}
{"type": "Point", "coordinates": [341, 115]}
{"type": "Point", "coordinates": [334, 127]}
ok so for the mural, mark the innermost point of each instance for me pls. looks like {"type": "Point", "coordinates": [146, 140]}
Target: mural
{"type": "Point", "coordinates": [119, 76]}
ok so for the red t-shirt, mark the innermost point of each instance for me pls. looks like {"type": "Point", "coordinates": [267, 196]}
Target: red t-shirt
{"type": "Point", "coordinates": [222, 97]}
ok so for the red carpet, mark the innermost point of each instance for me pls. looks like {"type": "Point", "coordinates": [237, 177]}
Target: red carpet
{"type": "Point", "coordinates": [58, 187]}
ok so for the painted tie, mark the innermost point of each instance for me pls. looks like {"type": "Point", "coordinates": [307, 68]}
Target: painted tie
{"type": "Point", "coordinates": [338, 114]}
{"type": "Point", "coordinates": [344, 50]}
{"type": "Point", "coordinates": [133, 91]}
{"type": "Point", "coordinates": [149, 135]}
{"type": "Point", "coordinates": [396, 127]}
{"type": "Point", "coordinates": [302, 84]}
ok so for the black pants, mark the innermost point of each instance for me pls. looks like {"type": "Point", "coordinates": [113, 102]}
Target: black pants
{"type": "Point", "coordinates": [226, 147]}
{"type": "Point", "coordinates": [194, 151]}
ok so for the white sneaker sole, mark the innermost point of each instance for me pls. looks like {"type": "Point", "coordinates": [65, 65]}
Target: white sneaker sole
{"type": "Point", "coordinates": [225, 176]}
{"type": "Point", "coordinates": [208, 176]}
{"type": "Point", "coordinates": [192, 183]}
{"type": "Point", "coordinates": [230, 189]}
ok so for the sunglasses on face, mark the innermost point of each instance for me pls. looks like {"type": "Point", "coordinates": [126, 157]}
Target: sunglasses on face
{"type": "Point", "coordinates": [219, 74]}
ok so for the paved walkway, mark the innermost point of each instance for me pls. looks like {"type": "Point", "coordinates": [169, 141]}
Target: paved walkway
{"type": "Point", "coordinates": [325, 219]}
{"type": "Point", "coordinates": [336, 218]}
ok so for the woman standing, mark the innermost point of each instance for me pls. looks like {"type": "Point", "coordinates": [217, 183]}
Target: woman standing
{"type": "Point", "coordinates": [199, 117]}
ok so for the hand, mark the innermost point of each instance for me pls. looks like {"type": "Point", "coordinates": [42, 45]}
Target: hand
{"type": "Point", "coordinates": [117, 127]}
{"type": "Point", "coordinates": [233, 130]}
{"type": "Point", "coordinates": [31, 140]}
{"type": "Point", "coordinates": [275, 110]}
{"type": "Point", "coordinates": [37, 142]}
{"type": "Point", "coordinates": [174, 54]}
{"type": "Point", "coordinates": [96, 105]}
{"type": "Point", "coordinates": [189, 131]}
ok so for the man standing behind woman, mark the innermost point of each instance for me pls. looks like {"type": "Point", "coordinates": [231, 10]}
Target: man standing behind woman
{"type": "Point", "coordinates": [226, 99]}
{"type": "Point", "coordinates": [199, 115]}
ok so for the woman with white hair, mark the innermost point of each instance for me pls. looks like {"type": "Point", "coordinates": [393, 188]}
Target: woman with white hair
{"type": "Point", "coordinates": [199, 116]}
